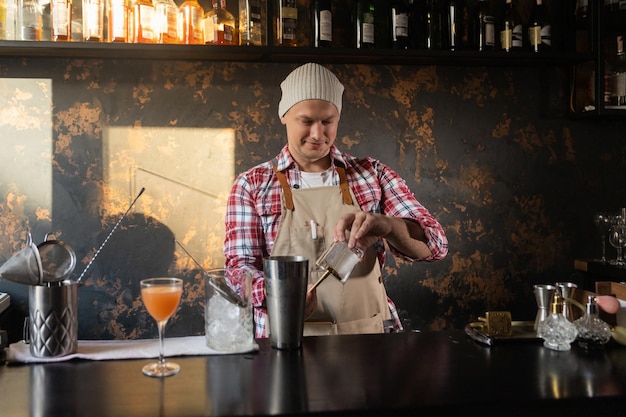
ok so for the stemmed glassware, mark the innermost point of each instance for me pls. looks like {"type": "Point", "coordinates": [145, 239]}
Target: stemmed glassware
{"type": "Point", "coordinates": [603, 223]}
{"type": "Point", "coordinates": [161, 297]}
{"type": "Point", "coordinates": [617, 239]}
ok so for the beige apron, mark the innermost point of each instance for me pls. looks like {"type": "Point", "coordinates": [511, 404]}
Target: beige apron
{"type": "Point", "coordinates": [359, 305]}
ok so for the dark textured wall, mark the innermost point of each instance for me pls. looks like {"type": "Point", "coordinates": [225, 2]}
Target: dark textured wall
{"type": "Point", "coordinates": [490, 151]}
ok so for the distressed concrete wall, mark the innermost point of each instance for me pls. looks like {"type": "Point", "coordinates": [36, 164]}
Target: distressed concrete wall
{"type": "Point", "coordinates": [490, 151]}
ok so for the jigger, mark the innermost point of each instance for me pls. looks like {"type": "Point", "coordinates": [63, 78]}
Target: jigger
{"type": "Point", "coordinates": [338, 260]}
{"type": "Point", "coordinates": [543, 296]}
{"type": "Point", "coordinates": [567, 292]}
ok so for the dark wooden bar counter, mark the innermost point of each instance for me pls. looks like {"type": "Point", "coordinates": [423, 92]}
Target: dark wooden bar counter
{"type": "Point", "coordinates": [429, 373]}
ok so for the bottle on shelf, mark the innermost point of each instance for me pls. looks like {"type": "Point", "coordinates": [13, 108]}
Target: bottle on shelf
{"type": "Point", "coordinates": [484, 37]}
{"type": "Point", "coordinates": [322, 23]}
{"type": "Point", "coordinates": [141, 22]}
{"type": "Point", "coordinates": [61, 20]}
{"type": "Point", "coordinates": [539, 29]}
{"type": "Point", "coordinates": [219, 25]}
{"type": "Point", "coordinates": [286, 23]}
{"type": "Point", "coordinates": [93, 20]}
{"type": "Point", "coordinates": [511, 35]}
{"type": "Point", "coordinates": [29, 20]}
{"type": "Point", "coordinates": [10, 19]}
{"type": "Point", "coordinates": [3, 19]}
{"type": "Point", "coordinates": [581, 13]}
{"type": "Point", "coordinates": [426, 25]}
{"type": "Point", "coordinates": [117, 20]}
{"type": "Point", "coordinates": [399, 24]}
{"type": "Point", "coordinates": [251, 30]}
{"type": "Point", "coordinates": [617, 75]}
{"type": "Point", "coordinates": [166, 21]}
{"type": "Point", "coordinates": [193, 23]}
{"type": "Point", "coordinates": [455, 11]}
{"type": "Point", "coordinates": [364, 35]}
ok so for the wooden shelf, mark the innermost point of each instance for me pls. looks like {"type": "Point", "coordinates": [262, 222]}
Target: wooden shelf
{"type": "Point", "coordinates": [281, 54]}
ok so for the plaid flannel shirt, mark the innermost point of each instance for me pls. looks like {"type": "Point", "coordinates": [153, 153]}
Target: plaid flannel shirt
{"type": "Point", "coordinates": [254, 208]}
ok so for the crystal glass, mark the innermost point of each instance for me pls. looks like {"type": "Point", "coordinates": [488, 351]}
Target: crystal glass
{"type": "Point", "coordinates": [593, 332]}
{"type": "Point", "coordinates": [228, 310]}
{"type": "Point", "coordinates": [557, 332]}
{"type": "Point", "coordinates": [602, 222]}
{"type": "Point", "coordinates": [617, 239]}
{"type": "Point", "coordinates": [161, 297]}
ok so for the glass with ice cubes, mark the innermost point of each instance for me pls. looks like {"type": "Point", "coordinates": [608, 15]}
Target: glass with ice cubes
{"type": "Point", "coordinates": [228, 311]}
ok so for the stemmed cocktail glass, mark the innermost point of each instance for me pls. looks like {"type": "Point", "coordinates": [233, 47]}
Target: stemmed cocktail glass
{"type": "Point", "coordinates": [617, 239]}
{"type": "Point", "coordinates": [161, 297]}
{"type": "Point", "coordinates": [603, 223]}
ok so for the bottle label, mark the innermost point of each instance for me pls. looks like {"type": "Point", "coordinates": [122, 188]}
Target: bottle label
{"type": "Point", "coordinates": [228, 35]}
{"type": "Point", "coordinates": [534, 35]}
{"type": "Point", "coordinates": [146, 17]}
{"type": "Point", "coordinates": [546, 35]}
{"type": "Point", "coordinates": [400, 24]}
{"type": "Point", "coordinates": [289, 22]}
{"type": "Point", "coordinates": [326, 25]}
{"type": "Point", "coordinates": [490, 35]}
{"type": "Point", "coordinates": [517, 36]}
{"type": "Point", "coordinates": [618, 86]}
{"type": "Point", "coordinates": [368, 28]}
{"type": "Point", "coordinates": [368, 33]}
{"type": "Point", "coordinates": [506, 39]}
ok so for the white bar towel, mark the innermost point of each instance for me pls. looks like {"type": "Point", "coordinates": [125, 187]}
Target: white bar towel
{"type": "Point", "coordinates": [122, 349]}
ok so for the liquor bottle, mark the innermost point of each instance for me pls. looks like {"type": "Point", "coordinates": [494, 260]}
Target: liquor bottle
{"type": "Point", "coordinates": [10, 19]}
{"type": "Point", "coordinates": [484, 27]}
{"type": "Point", "coordinates": [219, 25]}
{"type": "Point", "coordinates": [286, 23]}
{"type": "Point", "coordinates": [506, 28]}
{"type": "Point", "coordinates": [166, 21]}
{"type": "Point", "coordinates": [93, 20]}
{"type": "Point", "coordinates": [322, 23]}
{"type": "Point", "coordinates": [399, 24]}
{"type": "Point", "coordinates": [3, 19]}
{"type": "Point", "coordinates": [364, 35]}
{"type": "Point", "coordinates": [582, 10]}
{"type": "Point", "coordinates": [617, 75]}
{"type": "Point", "coordinates": [251, 31]}
{"type": "Point", "coordinates": [61, 20]}
{"type": "Point", "coordinates": [192, 23]}
{"type": "Point", "coordinates": [455, 11]}
{"type": "Point", "coordinates": [117, 20]}
{"type": "Point", "coordinates": [141, 22]}
{"type": "Point", "coordinates": [29, 20]}
{"type": "Point", "coordinates": [539, 29]}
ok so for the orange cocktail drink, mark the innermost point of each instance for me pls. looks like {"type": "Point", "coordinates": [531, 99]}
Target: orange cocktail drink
{"type": "Point", "coordinates": [161, 302]}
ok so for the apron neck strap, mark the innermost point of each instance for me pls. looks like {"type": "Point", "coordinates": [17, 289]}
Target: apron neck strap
{"type": "Point", "coordinates": [283, 183]}
{"type": "Point", "coordinates": [343, 185]}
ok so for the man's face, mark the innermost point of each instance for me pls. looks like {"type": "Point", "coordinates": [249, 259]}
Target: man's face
{"type": "Point", "coordinates": [311, 130]}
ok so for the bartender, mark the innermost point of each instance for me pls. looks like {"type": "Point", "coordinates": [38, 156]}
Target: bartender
{"type": "Point", "coordinates": [312, 194]}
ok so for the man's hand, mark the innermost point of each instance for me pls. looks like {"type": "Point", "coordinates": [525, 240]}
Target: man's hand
{"type": "Point", "coordinates": [365, 229]}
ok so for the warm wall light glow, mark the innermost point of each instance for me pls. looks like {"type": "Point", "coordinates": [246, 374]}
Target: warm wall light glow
{"type": "Point", "coordinates": [26, 135]}
{"type": "Point", "coordinates": [187, 174]}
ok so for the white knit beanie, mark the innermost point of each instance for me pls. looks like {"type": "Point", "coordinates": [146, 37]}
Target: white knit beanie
{"type": "Point", "coordinates": [309, 81]}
